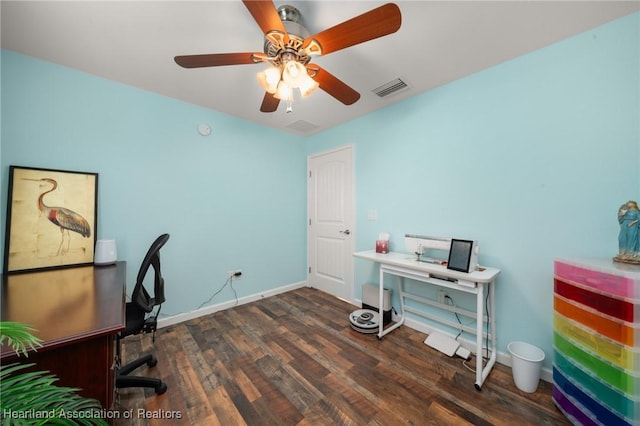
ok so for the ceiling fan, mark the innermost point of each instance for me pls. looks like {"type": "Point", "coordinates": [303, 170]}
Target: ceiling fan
{"type": "Point", "coordinates": [288, 48]}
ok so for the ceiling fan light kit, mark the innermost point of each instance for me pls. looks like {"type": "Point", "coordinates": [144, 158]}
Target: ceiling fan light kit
{"type": "Point", "coordinates": [294, 73]}
{"type": "Point", "coordinates": [269, 79]}
{"type": "Point", "coordinates": [291, 74]}
{"type": "Point", "coordinates": [307, 87]}
{"type": "Point", "coordinates": [288, 49]}
{"type": "Point", "coordinates": [284, 92]}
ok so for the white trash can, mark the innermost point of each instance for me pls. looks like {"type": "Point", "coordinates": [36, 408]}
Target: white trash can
{"type": "Point", "coordinates": [526, 365]}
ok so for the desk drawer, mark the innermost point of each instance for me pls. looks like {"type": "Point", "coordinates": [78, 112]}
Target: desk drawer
{"type": "Point", "coordinates": [624, 405]}
{"type": "Point", "coordinates": [591, 403]}
{"type": "Point", "coordinates": [625, 333]}
{"type": "Point", "coordinates": [621, 379]}
{"type": "Point", "coordinates": [576, 414]}
{"type": "Point", "coordinates": [614, 352]}
{"type": "Point", "coordinates": [623, 284]}
{"type": "Point", "coordinates": [616, 308]}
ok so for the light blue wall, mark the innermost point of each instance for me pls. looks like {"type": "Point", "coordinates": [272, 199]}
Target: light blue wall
{"type": "Point", "coordinates": [532, 158]}
{"type": "Point", "coordinates": [233, 200]}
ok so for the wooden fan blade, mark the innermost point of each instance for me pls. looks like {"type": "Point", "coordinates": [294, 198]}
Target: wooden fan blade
{"type": "Point", "coordinates": [334, 86]}
{"type": "Point", "coordinates": [265, 14]}
{"type": "Point", "coordinates": [215, 59]}
{"type": "Point", "coordinates": [378, 22]}
{"type": "Point", "coordinates": [269, 103]}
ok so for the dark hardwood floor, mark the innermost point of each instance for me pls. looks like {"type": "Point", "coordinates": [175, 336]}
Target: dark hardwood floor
{"type": "Point", "coordinates": [293, 359]}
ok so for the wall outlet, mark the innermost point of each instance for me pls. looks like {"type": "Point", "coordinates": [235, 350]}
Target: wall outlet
{"type": "Point", "coordinates": [441, 296]}
{"type": "Point", "coordinates": [234, 274]}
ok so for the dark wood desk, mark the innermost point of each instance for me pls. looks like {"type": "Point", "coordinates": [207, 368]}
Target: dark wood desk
{"type": "Point", "coordinates": [76, 312]}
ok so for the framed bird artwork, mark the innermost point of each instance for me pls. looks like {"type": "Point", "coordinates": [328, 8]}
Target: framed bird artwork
{"type": "Point", "coordinates": [51, 219]}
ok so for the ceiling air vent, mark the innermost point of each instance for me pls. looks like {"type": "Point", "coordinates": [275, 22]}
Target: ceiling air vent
{"type": "Point", "coordinates": [303, 126]}
{"type": "Point", "coordinates": [394, 86]}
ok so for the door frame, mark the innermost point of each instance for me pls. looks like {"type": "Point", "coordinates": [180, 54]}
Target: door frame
{"type": "Point", "coordinates": [353, 228]}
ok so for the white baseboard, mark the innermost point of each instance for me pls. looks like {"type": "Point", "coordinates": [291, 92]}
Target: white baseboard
{"type": "Point", "coordinates": [178, 318]}
{"type": "Point", "coordinates": [501, 357]}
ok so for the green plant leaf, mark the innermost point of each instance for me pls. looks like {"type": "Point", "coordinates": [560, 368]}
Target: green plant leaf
{"type": "Point", "coordinates": [19, 337]}
{"type": "Point", "coordinates": [25, 392]}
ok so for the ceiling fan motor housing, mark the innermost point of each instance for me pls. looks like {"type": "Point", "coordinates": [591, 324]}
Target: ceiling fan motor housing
{"type": "Point", "coordinates": [292, 21]}
{"type": "Point", "coordinates": [289, 13]}
{"type": "Point", "coordinates": [289, 49]}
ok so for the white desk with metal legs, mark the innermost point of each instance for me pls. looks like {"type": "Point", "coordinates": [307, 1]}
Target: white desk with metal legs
{"type": "Point", "coordinates": [404, 265]}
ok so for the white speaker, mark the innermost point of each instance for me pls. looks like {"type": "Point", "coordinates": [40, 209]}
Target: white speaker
{"type": "Point", "coordinates": [106, 252]}
{"type": "Point", "coordinates": [371, 300]}
{"type": "Point", "coordinates": [371, 296]}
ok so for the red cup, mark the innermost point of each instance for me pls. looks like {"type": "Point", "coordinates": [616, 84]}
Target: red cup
{"type": "Point", "coordinates": [382, 246]}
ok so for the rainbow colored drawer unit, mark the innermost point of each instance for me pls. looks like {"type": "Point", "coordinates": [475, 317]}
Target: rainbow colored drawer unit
{"type": "Point", "coordinates": [596, 340]}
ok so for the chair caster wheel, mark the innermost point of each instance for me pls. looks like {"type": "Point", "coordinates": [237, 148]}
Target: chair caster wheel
{"type": "Point", "coordinates": [161, 388]}
{"type": "Point", "coordinates": [152, 362]}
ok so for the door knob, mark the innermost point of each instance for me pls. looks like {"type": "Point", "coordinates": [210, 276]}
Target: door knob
{"type": "Point", "coordinates": [345, 232]}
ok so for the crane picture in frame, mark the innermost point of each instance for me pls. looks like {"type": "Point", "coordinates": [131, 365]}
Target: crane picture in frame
{"type": "Point", "coordinates": [51, 219]}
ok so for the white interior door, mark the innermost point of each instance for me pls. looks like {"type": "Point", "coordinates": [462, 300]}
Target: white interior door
{"type": "Point", "coordinates": [330, 207]}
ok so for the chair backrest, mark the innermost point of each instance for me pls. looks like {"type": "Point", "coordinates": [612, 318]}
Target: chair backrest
{"type": "Point", "coordinates": [140, 295]}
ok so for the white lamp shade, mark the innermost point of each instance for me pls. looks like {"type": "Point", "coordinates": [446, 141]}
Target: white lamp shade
{"type": "Point", "coordinates": [284, 92]}
{"type": "Point", "coordinates": [308, 86]}
{"type": "Point", "coordinates": [269, 79]}
{"type": "Point", "coordinates": [106, 252]}
{"type": "Point", "coordinates": [293, 74]}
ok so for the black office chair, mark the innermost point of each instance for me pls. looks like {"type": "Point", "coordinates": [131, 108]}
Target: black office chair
{"type": "Point", "coordinates": [140, 318]}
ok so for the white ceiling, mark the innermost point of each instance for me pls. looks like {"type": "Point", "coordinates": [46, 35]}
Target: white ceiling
{"type": "Point", "coordinates": [134, 42]}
